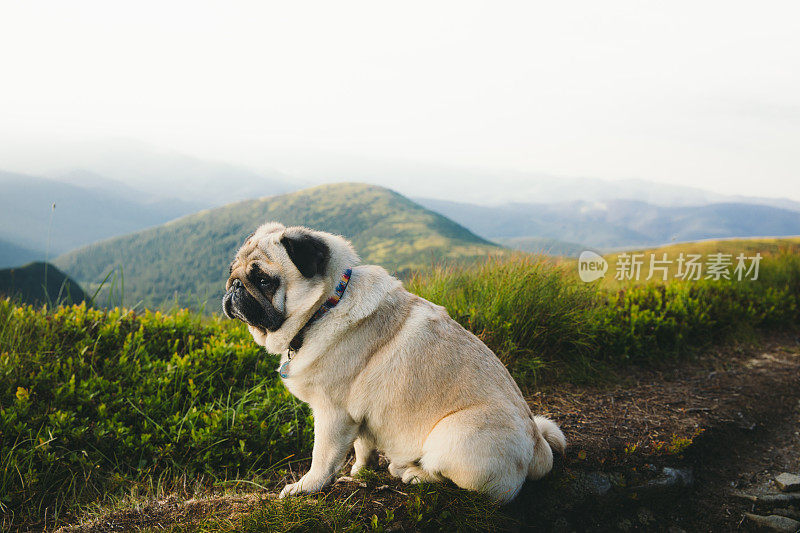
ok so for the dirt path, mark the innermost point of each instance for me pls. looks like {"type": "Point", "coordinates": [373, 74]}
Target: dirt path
{"type": "Point", "coordinates": [731, 421]}
{"type": "Point", "coordinates": [661, 450]}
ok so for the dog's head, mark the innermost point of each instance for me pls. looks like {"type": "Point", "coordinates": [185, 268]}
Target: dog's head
{"type": "Point", "coordinates": [280, 276]}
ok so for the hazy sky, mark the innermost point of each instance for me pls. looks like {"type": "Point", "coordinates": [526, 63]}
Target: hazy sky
{"type": "Point", "coordinates": [694, 93]}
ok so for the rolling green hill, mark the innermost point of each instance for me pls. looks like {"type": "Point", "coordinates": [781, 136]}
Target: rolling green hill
{"type": "Point", "coordinates": [763, 245]}
{"type": "Point", "coordinates": [39, 283]}
{"type": "Point", "coordinates": [187, 259]}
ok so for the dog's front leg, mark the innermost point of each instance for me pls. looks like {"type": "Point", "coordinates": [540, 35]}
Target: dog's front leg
{"type": "Point", "coordinates": [334, 433]}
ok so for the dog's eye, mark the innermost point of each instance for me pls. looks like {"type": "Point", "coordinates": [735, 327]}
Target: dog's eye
{"type": "Point", "coordinates": [264, 282]}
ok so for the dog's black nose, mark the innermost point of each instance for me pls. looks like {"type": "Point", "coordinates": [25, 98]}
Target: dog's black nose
{"type": "Point", "coordinates": [227, 300]}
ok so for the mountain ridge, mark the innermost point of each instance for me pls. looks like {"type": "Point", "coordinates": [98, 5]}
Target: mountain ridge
{"type": "Point", "coordinates": [81, 215]}
{"type": "Point", "coordinates": [12, 254]}
{"type": "Point", "coordinates": [619, 223]}
{"type": "Point", "coordinates": [189, 256]}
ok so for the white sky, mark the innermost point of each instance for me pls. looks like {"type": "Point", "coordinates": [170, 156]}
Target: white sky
{"type": "Point", "coordinates": [695, 93]}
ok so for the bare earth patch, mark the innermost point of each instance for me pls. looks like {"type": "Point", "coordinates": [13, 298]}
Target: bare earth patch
{"type": "Point", "coordinates": [732, 418]}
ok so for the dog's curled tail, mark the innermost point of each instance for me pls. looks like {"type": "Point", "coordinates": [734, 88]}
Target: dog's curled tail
{"type": "Point", "coordinates": [552, 439]}
{"type": "Point", "coordinates": [551, 433]}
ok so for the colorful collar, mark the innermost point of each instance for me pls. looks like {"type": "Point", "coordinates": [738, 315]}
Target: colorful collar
{"type": "Point", "coordinates": [329, 304]}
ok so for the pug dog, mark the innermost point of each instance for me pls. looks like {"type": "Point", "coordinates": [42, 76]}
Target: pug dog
{"type": "Point", "coordinates": [383, 370]}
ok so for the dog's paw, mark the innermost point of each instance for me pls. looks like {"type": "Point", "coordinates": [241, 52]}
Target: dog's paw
{"type": "Point", "coordinates": [292, 489]}
{"type": "Point", "coordinates": [304, 486]}
{"type": "Point", "coordinates": [414, 474]}
{"type": "Point", "coordinates": [357, 467]}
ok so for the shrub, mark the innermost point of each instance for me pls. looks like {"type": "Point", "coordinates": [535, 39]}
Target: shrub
{"type": "Point", "coordinates": [92, 399]}
{"type": "Point", "coordinates": [542, 321]}
{"type": "Point", "coordinates": [528, 310]}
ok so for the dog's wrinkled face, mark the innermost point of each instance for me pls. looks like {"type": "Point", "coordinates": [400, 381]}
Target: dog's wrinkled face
{"type": "Point", "coordinates": [252, 285]}
{"type": "Point", "coordinates": [256, 290]}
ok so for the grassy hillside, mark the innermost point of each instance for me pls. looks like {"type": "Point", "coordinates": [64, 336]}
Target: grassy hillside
{"type": "Point", "coordinates": [40, 283]}
{"type": "Point", "coordinates": [189, 257]}
{"type": "Point", "coordinates": [764, 245]}
{"type": "Point", "coordinates": [98, 403]}
{"type": "Point", "coordinates": [542, 320]}
{"type": "Point", "coordinates": [768, 247]}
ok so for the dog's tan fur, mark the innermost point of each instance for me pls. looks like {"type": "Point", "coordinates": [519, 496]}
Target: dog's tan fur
{"type": "Point", "coordinates": [386, 370]}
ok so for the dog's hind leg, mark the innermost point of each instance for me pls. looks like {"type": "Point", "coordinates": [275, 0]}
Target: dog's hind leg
{"type": "Point", "coordinates": [366, 455]}
{"type": "Point", "coordinates": [412, 473]}
{"type": "Point", "coordinates": [480, 450]}
{"type": "Point", "coordinates": [415, 474]}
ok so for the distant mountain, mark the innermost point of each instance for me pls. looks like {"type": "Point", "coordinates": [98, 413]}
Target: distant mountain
{"type": "Point", "coordinates": [189, 257]}
{"type": "Point", "coordinates": [165, 175]}
{"type": "Point", "coordinates": [494, 187]}
{"type": "Point", "coordinates": [12, 255]}
{"type": "Point", "coordinates": [619, 223]}
{"type": "Point", "coordinates": [542, 245]}
{"type": "Point", "coordinates": [82, 214]}
{"type": "Point", "coordinates": [86, 179]}
{"type": "Point", "coordinates": [40, 283]}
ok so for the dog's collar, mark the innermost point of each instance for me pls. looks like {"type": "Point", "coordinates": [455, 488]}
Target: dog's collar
{"type": "Point", "coordinates": [329, 304]}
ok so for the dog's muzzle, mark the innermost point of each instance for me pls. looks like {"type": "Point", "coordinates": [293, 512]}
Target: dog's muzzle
{"type": "Point", "coordinates": [238, 303]}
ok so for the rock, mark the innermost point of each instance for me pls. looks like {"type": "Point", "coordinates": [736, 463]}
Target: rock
{"type": "Point", "coordinates": [789, 512]}
{"type": "Point", "coordinates": [669, 478]}
{"type": "Point", "coordinates": [591, 484]}
{"type": "Point", "coordinates": [775, 522]}
{"type": "Point", "coordinates": [682, 476]}
{"type": "Point", "coordinates": [788, 482]}
{"type": "Point", "coordinates": [768, 499]}
{"type": "Point", "coordinates": [597, 483]}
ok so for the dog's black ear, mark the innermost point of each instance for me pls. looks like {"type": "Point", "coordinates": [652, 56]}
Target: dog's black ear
{"type": "Point", "coordinates": [309, 254]}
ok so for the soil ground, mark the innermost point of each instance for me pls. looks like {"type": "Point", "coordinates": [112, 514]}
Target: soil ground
{"type": "Point", "coordinates": [728, 421]}
{"type": "Point", "coordinates": [739, 407]}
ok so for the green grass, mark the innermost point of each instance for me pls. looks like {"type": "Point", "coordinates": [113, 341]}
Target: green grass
{"type": "Point", "coordinates": [96, 404]}
{"type": "Point", "coordinates": [424, 507]}
{"type": "Point", "coordinates": [766, 246]}
{"type": "Point", "coordinates": [527, 309]}
{"type": "Point", "coordinates": [543, 322]}
{"type": "Point", "coordinates": [379, 504]}
{"type": "Point", "coordinates": [93, 401]}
